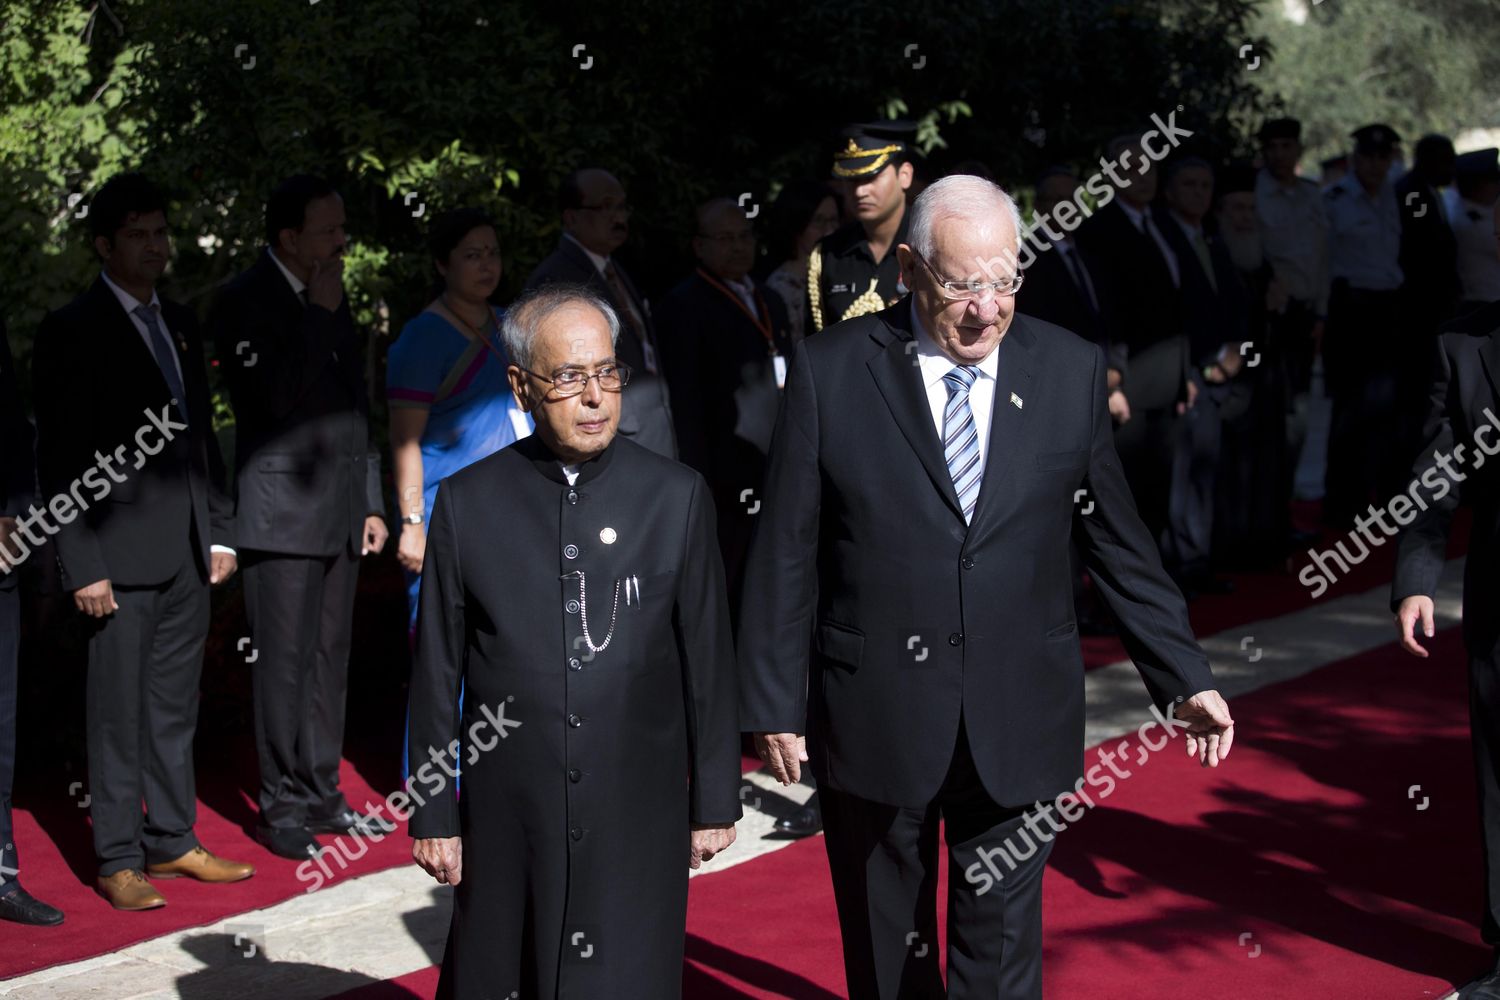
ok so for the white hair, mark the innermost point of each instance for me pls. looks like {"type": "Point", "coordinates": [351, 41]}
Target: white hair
{"type": "Point", "coordinates": [961, 196]}
{"type": "Point", "coordinates": [524, 319]}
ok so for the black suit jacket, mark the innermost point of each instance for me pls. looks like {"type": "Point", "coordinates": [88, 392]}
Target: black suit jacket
{"type": "Point", "coordinates": [305, 475]}
{"type": "Point", "coordinates": [1144, 307]}
{"type": "Point", "coordinates": [99, 392]}
{"type": "Point", "coordinates": [1464, 401]}
{"type": "Point", "coordinates": [645, 413]}
{"type": "Point", "coordinates": [1051, 294]}
{"type": "Point", "coordinates": [1213, 314]}
{"type": "Point", "coordinates": [17, 448]}
{"type": "Point", "coordinates": [1429, 251]}
{"type": "Point", "coordinates": [875, 617]}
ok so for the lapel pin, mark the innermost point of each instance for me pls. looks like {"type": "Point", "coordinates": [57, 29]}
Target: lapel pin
{"type": "Point", "coordinates": [608, 536]}
{"type": "Point", "coordinates": [1015, 401]}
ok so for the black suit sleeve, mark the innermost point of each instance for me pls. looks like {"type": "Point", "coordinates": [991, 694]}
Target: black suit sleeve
{"type": "Point", "coordinates": [781, 582]}
{"type": "Point", "coordinates": [683, 350]}
{"type": "Point", "coordinates": [436, 674]}
{"type": "Point", "coordinates": [1422, 547]}
{"type": "Point", "coordinates": [63, 386]}
{"type": "Point", "coordinates": [274, 371]}
{"type": "Point", "coordinates": [708, 674]}
{"type": "Point", "coordinates": [17, 440]}
{"type": "Point", "coordinates": [1123, 560]}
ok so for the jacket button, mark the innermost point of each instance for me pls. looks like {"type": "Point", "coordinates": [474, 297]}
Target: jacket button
{"type": "Point", "coordinates": [576, 833]}
{"type": "Point", "coordinates": [571, 551]}
{"type": "Point", "coordinates": [575, 775]}
{"type": "Point", "coordinates": [573, 663]}
{"type": "Point", "coordinates": [572, 496]}
{"type": "Point", "coordinates": [968, 563]}
{"type": "Point", "coordinates": [572, 607]}
{"type": "Point", "coordinates": [575, 721]}
{"type": "Point", "coordinates": [955, 639]}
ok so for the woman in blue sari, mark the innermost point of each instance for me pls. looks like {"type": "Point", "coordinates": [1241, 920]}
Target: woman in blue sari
{"type": "Point", "coordinates": [450, 403]}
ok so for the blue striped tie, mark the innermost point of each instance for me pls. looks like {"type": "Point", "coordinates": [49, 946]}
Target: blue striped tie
{"type": "Point", "coordinates": [961, 438]}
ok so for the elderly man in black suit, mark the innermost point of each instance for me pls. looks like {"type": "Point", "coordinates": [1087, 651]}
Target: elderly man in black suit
{"type": "Point", "coordinates": [573, 586]}
{"type": "Point", "coordinates": [596, 222]}
{"type": "Point", "coordinates": [922, 493]}
{"type": "Point", "coordinates": [121, 367]}
{"type": "Point", "coordinates": [17, 495]}
{"type": "Point", "coordinates": [308, 504]}
{"type": "Point", "coordinates": [1463, 418]}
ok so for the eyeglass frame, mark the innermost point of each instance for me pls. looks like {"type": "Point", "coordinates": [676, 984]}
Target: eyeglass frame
{"type": "Point", "coordinates": [945, 283]}
{"type": "Point", "coordinates": [620, 367]}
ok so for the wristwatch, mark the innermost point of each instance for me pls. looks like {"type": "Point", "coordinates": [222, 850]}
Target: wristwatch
{"type": "Point", "coordinates": [412, 519]}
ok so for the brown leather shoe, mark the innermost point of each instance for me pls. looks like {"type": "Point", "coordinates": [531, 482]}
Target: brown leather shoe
{"type": "Point", "coordinates": [129, 890]}
{"type": "Point", "coordinates": [203, 866]}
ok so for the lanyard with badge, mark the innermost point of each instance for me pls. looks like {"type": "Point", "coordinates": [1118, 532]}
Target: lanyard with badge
{"type": "Point", "coordinates": [762, 323]}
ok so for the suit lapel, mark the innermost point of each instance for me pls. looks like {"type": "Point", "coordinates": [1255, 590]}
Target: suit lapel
{"type": "Point", "coordinates": [124, 338]}
{"type": "Point", "coordinates": [1014, 361]}
{"type": "Point", "coordinates": [899, 379]}
{"type": "Point", "coordinates": [1489, 354]}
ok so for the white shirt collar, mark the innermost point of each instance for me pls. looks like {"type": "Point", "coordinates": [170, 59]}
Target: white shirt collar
{"type": "Point", "coordinates": [934, 363]}
{"type": "Point", "coordinates": [570, 472]}
{"type": "Point", "coordinates": [298, 285]}
{"type": "Point", "coordinates": [129, 302]}
{"type": "Point", "coordinates": [1186, 226]}
{"type": "Point", "coordinates": [1132, 213]}
{"type": "Point", "coordinates": [600, 263]}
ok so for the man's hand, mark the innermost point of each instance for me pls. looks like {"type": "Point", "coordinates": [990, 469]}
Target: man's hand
{"type": "Point", "coordinates": [1412, 608]}
{"type": "Point", "coordinates": [1210, 729]}
{"type": "Point", "coordinates": [9, 557]}
{"type": "Point", "coordinates": [440, 857]}
{"type": "Point", "coordinates": [1119, 406]}
{"type": "Point", "coordinates": [785, 752]}
{"type": "Point", "coordinates": [708, 841]}
{"type": "Point", "coordinates": [96, 600]}
{"type": "Point", "coordinates": [1192, 397]}
{"type": "Point", "coordinates": [375, 535]}
{"type": "Point", "coordinates": [221, 566]}
{"type": "Point", "coordinates": [326, 286]}
{"type": "Point", "coordinates": [411, 549]}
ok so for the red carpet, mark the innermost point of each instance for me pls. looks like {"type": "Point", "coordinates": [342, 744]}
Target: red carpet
{"type": "Point", "coordinates": [1300, 869]}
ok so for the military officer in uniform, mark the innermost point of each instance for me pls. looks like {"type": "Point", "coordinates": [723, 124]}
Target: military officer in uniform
{"type": "Point", "coordinates": [1365, 328]}
{"type": "Point", "coordinates": [853, 271]}
{"type": "Point", "coordinates": [1477, 182]}
{"type": "Point", "coordinates": [573, 585]}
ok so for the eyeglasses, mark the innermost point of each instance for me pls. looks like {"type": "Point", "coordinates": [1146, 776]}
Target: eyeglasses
{"type": "Point", "coordinates": [621, 208]}
{"type": "Point", "coordinates": [982, 290]}
{"type": "Point", "coordinates": [572, 381]}
{"type": "Point", "coordinates": [745, 238]}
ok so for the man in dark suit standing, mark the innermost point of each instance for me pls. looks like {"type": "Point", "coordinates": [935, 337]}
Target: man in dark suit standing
{"type": "Point", "coordinates": [308, 504]}
{"type": "Point", "coordinates": [725, 339]}
{"type": "Point", "coordinates": [1462, 417]}
{"type": "Point", "coordinates": [912, 551]}
{"type": "Point", "coordinates": [1059, 282]}
{"type": "Point", "coordinates": [1138, 278]}
{"type": "Point", "coordinates": [596, 223]}
{"type": "Point", "coordinates": [120, 367]}
{"type": "Point", "coordinates": [17, 493]}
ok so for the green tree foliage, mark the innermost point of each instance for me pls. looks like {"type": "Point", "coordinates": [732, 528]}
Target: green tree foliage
{"type": "Point", "coordinates": [465, 102]}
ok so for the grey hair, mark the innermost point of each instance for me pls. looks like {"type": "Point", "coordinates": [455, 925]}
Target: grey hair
{"type": "Point", "coordinates": [524, 319]}
{"type": "Point", "coordinates": [961, 196]}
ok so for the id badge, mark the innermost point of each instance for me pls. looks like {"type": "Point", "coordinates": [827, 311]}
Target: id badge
{"type": "Point", "coordinates": [780, 363]}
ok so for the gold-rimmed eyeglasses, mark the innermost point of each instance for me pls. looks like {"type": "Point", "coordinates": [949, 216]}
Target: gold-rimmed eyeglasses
{"type": "Point", "coordinates": [571, 381]}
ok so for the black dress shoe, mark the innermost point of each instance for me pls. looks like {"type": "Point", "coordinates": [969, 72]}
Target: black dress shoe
{"type": "Point", "coordinates": [803, 823]}
{"type": "Point", "coordinates": [352, 822]}
{"type": "Point", "coordinates": [22, 907]}
{"type": "Point", "coordinates": [294, 842]}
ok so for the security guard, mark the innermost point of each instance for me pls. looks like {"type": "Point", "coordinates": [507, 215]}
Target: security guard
{"type": "Point", "coordinates": [853, 271]}
{"type": "Point", "coordinates": [1365, 326]}
{"type": "Point", "coordinates": [1471, 211]}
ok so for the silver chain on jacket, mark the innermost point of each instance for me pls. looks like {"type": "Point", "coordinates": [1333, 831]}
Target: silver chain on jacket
{"type": "Point", "coordinates": [583, 613]}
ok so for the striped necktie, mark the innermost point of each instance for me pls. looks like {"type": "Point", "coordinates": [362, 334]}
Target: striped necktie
{"type": "Point", "coordinates": [961, 438]}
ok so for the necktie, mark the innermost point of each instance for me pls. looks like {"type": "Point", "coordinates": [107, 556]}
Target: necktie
{"type": "Point", "coordinates": [622, 298]}
{"type": "Point", "coordinates": [1200, 247]}
{"type": "Point", "coordinates": [961, 438]}
{"type": "Point", "coordinates": [163, 351]}
{"type": "Point", "coordinates": [1080, 278]}
{"type": "Point", "coordinates": [1168, 257]}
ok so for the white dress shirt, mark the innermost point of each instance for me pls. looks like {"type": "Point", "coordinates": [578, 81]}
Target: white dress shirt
{"type": "Point", "coordinates": [298, 285]}
{"type": "Point", "coordinates": [934, 364]}
{"type": "Point", "coordinates": [130, 304]}
{"type": "Point", "coordinates": [570, 472]}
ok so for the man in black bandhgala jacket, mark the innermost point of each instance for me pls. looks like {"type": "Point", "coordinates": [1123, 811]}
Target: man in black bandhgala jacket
{"type": "Point", "coordinates": [573, 586]}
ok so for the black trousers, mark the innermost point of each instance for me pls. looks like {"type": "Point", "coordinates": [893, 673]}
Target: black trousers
{"type": "Point", "coordinates": [1146, 444]}
{"type": "Point", "coordinates": [1484, 723]}
{"type": "Point", "coordinates": [1364, 355]}
{"type": "Point", "coordinates": [145, 661]}
{"type": "Point", "coordinates": [10, 642]}
{"type": "Point", "coordinates": [301, 613]}
{"type": "Point", "coordinates": [884, 864]}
